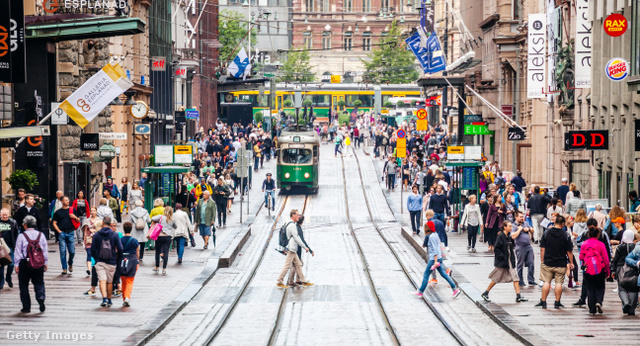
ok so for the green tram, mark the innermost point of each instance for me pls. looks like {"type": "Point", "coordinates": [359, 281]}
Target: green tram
{"type": "Point", "coordinates": [298, 159]}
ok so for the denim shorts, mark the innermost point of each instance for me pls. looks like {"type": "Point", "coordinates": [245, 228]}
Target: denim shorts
{"type": "Point", "coordinates": [204, 230]}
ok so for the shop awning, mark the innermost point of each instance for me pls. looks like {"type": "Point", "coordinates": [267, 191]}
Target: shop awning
{"type": "Point", "coordinates": [78, 29]}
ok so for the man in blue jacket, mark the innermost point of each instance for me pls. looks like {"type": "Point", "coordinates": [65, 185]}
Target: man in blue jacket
{"type": "Point", "coordinates": [106, 257]}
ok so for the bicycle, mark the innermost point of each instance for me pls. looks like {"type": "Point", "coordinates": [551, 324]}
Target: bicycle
{"type": "Point", "coordinates": [269, 202]}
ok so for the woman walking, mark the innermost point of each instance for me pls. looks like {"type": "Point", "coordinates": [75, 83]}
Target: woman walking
{"type": "Point", "coordinates": [595, 261]}
{"type": "Point", "coordinates": [89, 228]}
{"type": "Point", "coordinates": [82, 210]}
{"type": "Point", "coordinates": [125, 188]}
{"type": "Point", "coordinates": [164, 239]}
{"type": "Point", "coordinates": [231, 186]}
{"type": "Point", "coordinates": [628, 298]}
{"type": "Point", "coordinates": [220, 194]}
{"type": "Point", "coordinates": [504, 263]}
{"type": "Point", "coordinates": [472, 222]}
{"type": "Point", "coordinates": [129, 263]}
{"type": "Point", "coordinates": [432, 242]}
{"type": "Point", "coordinates": [140, 219]}
{"type": "Point", "coordinates": [495, 217]}
{"type": "Point", "coordinates": [135, 195]}
{"type": "Point", "coordinates": [103, 210]}
{"type": "Point", "coordinates": [414, 205]}
{"type": "Point", "coordinates": [184, 225]}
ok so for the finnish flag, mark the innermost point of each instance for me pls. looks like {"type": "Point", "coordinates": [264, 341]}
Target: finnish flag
{"type": "Point", "coordinates": [240, 66]}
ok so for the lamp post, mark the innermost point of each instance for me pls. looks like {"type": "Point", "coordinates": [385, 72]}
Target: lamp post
{"type": "Point", "coordinates": [106, 153]}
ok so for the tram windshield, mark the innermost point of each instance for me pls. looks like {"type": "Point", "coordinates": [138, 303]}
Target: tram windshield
{"type": "Point", "coordinates": [296, 156]}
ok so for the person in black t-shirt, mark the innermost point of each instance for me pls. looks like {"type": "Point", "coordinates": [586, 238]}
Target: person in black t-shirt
{"type": "Point", "coordinates": [66, 237]}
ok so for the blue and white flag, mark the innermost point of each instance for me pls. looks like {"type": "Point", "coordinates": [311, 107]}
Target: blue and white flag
{"type": "Point", "coordinates": [240, 66]}
{"type": "Point", "coordinates": [431, 57]}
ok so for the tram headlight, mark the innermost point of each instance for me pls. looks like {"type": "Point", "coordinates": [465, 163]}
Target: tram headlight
{"type": "Point", "coordinates": [287, 175]}
{"type": "Point", "coordinates": [306, 175]}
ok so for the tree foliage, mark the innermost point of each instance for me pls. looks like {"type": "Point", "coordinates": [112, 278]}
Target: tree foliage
{"type": "Point", "coordinates": [232, 29]}
{"type": "Point", "coordinates": [22, 179]}
{"type": "Point", "coordinates": [297, 67]}
{"type": "Point", "coordinates": [390, 62]}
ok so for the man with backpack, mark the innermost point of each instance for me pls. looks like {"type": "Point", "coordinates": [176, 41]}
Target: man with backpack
{"type": "Point", "coordinates": [289, 242]}
{"type": "Point", "coordinates": [105, 248]}
{"type": "Point", "coordinates": [31, 261]}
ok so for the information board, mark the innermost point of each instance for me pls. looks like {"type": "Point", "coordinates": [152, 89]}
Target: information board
{"type": "Point", "coordinates": [182, 154]}
{"type": "Point", "coordinates": [469, 178]}
{"type": "Point", "coordinates": [455, 152]}
{"type": "Point", "coordinates": [401, 147]}
{"type": "Point", "coordinates": [473, 153]}
{"type": "Point", "coordinates": [163, 154]}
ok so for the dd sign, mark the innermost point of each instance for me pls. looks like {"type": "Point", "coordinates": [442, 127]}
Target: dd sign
{"type": "Point", "coordinates": [591, 140]}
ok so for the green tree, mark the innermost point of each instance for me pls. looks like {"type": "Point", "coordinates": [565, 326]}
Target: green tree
{"type": "Point", "coordinates": [390, 61]}
{"type": "Point", "coordinates": [297, 67]}
{"type": "Point", "coordinates": [232, 29]}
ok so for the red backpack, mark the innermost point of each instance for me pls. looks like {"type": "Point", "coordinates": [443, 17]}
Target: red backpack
{"type": "Point", "coordinates": [593, 262]}
{"type": "Point", "coordinates": [35, 256]}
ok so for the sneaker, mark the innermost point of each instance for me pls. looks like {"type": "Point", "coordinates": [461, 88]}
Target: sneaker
{"type": "Point", "coordinates": [307, 284]}
{"type": "Point", "coordinates": [89, 293]}
{"type": "Point", "coordinates": [449, 271]}
{"type": "Point", "coordinates": [419, 294]}
{"type": "Point", "coordinates": [625, 308]}
{"type": "Point", "coordinates": [109, 303]}
{"type": "Point", "coordinates": [541, 284]}
{"type": "Point", "coordinates": [433, 281]}
{"type": "Point", "coordinates": [520, 299]}
{"type": "Point", "coordinates": [42, 307]}
{"type": "Point", "coordinates": [558, 305]}
{"type": "Point", "coordinates": [117, 293]}
{"type": "Point", "coordinates": [206, 247]}
{"type": "Point", "coordinates": [485, 296]}
{"type": "Point", "coordinates": [282, 286]}
{"type": "Point", "coordinates": [10, 283]}
{"type": "Point", "coordinates": [88, 273]}
{"type": "Point", "coordinates": [70, 268]}
{"type": "Point", "coordinates": [532, 284]}
{"type": "Point", "coordinates": [447, 248]}
{"type": "Point", "coordinates": [541, 304]}
{"type": "Point", "coordinates": [599, 308]}
{"type": "Point", "coordinates": [126, 303]}
{"type": "Point", "coordinates": [64, 272]}
{"type": "Point", "coordinates": [456, 293]}
{"type": "Point", "coordinates": [25, 311]}
{"type": "Point", "coordinates": [179, 260]}
{"type": "Point", "coordinates": [104, 302]}
{"type": "Point", "coordinates": [164, 272]}
{"type": "Point", "coordinates": [580, 303]}
{"type": "Point", "coordinates": [468, 248]}
{"type": "Point", "coordinates": [473, 249]}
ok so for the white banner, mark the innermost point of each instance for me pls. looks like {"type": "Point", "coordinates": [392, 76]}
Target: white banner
{"type": "Point", "coordinates": [96, 94]}
{"type": "Point", "coordinates": [537, 41]}
{"type": "Point", "coordinates": [583, 45]}
{"type": "Point", "coordinates": [552, 33]}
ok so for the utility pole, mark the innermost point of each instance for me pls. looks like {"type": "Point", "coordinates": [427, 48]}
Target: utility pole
{"type": "Point", "coordinates": [445, 91]}
{"type": "Point", "coordinates": [516, 111]}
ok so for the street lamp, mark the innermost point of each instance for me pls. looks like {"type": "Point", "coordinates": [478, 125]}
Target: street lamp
{"type": "Point", "coordinates": [107, 152]}
{"type": "Point", "coordinates": [327, 27]}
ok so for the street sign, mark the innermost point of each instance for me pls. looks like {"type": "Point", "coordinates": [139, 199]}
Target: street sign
{"type": "Point", "coordinates": [268, 75]}
{"type": "Point", "coordinates": [89, 141]}
{"type": "Point", "coordinates": [163, 154]}
{"type": "Point", "coordinates": [590, 140]}
{"type": "Point", "coordinates": [182, 153]}
{"type": "Point", "coordinates": [472, 152]}
{"type": "Point", "coordinates": [477, 130]}
{"type": "Point", "coordinates": [384, 111]}
{"type": "Point", "coordinates": [401, 133]}
{"type": "Point", "coordinates": [421, 114]}
{"type": "Point", "coordinates": [439, 100]}
{"type": "Point", "coordinates": [472, 118]}
{"type": "Point", "coordinates": [401, 146]}
{"type": "Point", "coordinates": [192, 114]}
{"type": "Point", "coordinates": [142, 129]}
{"type": "Point", "coordinates": [455, 152]}
{"type": "Point", "coordinates": [507, 110]}
{"type": "Point", "coordinates": [335, 78]}
{"type": "Point", "coordinates": [515, 134]}
{"type": "Point", "coordinates": [113, 135]}
{"type": "Point", "coordinates": [243, 163]}
{"type": "Point", "coordinates": [58, 116]}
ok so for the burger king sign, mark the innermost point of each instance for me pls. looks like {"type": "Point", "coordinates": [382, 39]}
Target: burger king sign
{"type": "Point", "coordinates": [617, 69]}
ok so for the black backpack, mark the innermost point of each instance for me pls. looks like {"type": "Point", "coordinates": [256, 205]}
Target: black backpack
{"type": "Point", "coordinates": [105, 249]}
{"type": "Point", "coordinates": [283, 241]}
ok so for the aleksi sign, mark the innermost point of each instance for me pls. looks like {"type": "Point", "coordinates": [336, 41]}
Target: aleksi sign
{"type": "Point", "coordinates": [583, 45]}
{"type": "Point", "coordinates": [537, 41]}
{"type": "Point", "coordinates": [591, 140]}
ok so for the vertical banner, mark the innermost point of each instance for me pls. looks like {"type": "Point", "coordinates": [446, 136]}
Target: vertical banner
{"type": "Point", "coordinates": [5, 43]}
{"type": "Point", "coordinates": [552, 33]}
{"type": "Point", "coordinates": [427, 17]}
{"type": "Point", "coordinates": [96, 94]}
{"type": "Point", "coordinates": [536, 60]}
{"type": "Point", "coordinates": [17, 45]}
{"type": "Point", "coordinates": [583, 45]}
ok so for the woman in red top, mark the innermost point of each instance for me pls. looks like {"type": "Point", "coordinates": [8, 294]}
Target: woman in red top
{"type": "Point", "coordinates": [82, 210]}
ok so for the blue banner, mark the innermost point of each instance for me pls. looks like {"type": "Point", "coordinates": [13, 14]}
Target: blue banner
{"type": "Point", "coordinates": [430, 58]}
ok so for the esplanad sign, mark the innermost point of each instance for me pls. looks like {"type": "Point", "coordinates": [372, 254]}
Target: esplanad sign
{"type": "Point", "coordinates": [95, 4]}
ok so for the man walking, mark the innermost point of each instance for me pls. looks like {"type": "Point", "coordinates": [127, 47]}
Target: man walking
{"type": "Point", "coordinates": [555, 247]}
{"type": "Point", "coordinates": [537, 210]}
{"type": "Point", "coordinates": [522, 234]}
{"type": "Point", "coordinates": [9, 232]}
{"type": "Point", "coordinates": [64, 227]}
{"type": "Point", "coordinates": [28, 209]}
{"type": "Point", "coordinates": [31, 260]}
{"type": "Point", "coordinates": [563, 190]}
{"type": "Point", "coordinates": [105, 249]}
{"type": "Point", "coordinates": [291, 249]}
{"type": "Point", "coordinates": [389, 170]}
{"type": "Point", "coordinates": [206, 218]}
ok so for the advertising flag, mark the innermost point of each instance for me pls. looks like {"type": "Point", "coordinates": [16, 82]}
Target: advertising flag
{"type": "Point", "coordinates": [240, 67]}
{"type": "Point", "coordinates": [96, 94]}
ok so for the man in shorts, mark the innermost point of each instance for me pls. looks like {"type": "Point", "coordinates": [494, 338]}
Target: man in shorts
{"type": "Point", "coordinates": [555, 247]}
{"type": "Point", "coordinates": [106, 257]}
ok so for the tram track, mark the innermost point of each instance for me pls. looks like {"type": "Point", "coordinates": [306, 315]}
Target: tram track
{"type": "Point", "coordinates": [447, 326]}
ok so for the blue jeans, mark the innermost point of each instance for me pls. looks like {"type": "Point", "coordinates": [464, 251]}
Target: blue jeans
{"type": "Point", "coordinates": [268, 193]}
{"type": "Point", "coordinates": [180, 241]}
{"type": "Point", "coordinates": [67, 241]}
{"type": "Point", "coordinates": [337, 150]}
{"type": "Point", "coordinates": [442, 234]}
{"type": "Point", "coordinates": [9, 271]}
{"type": "Point", "coordinates": [441, 270]}
{"type": "Point", "coordinates": [256, 161]}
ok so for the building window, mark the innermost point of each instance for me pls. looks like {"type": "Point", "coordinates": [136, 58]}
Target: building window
{"type": "Point", "coordinates": [326, 40]}
{"type": "Point", "coordinates": [366, 5]}
{"type": "Point", "coordinates": [325, 5]}
{"type": "Point", "coordinates": [348, 43]}
{"type": "Point", "coordinates": [635, 38]}
{"type": "Point", "coordinates": [366, 44]}
{"type": "Point", "coordinates": [348, 5]}
{"type": "Point", "coordinates": [310, 5]}
{"type": "Point", "coordinates": [385, 5]}
{"type": "Point", "coordinates": [307, 40]}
